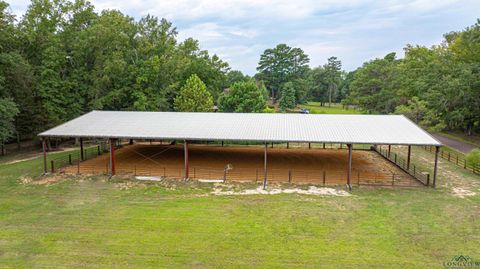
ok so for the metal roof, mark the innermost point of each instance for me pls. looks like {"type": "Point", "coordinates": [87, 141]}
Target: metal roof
{"type": "Point", "coordinates": [323, 128]}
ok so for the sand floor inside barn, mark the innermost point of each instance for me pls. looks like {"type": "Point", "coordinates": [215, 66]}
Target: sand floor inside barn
{"type": "Point", "coordinates": [297, 165]}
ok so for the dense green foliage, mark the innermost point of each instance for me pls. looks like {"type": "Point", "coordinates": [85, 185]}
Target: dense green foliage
{"type": "Point", "coordinates": [8, 111]}
{"type": "Point", "coordinates": [287, 101]}
{"type": "Point", "coordinates": [194, 97]}
{"type": "Point", "coordinates": [62, 59]}
{"type": "Point", "coordinates": [438, 87]}
{"type": "Point", "coordinates": [243, 97]}
{"type": "Point", "coordinates": [280, 65]}
{"type": "Point", "coordinates": [473, 157]}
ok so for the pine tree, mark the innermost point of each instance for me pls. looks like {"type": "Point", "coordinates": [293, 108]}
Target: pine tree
{"type": "Point", "coordinates": [194, 97]}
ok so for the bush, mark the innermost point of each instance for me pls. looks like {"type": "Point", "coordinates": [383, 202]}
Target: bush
{"type": "Point", "coordinates": [268, 110]}
{"type": "Point", "coordinates": [473, 157]}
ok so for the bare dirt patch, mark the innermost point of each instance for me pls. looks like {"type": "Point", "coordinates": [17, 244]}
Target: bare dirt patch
{"type": "Point", "coordinates": [312, 190]}
{"type": "Point", "coordinates": [462, 193]}
{"type": "Point", "coordinates": [51, 179]}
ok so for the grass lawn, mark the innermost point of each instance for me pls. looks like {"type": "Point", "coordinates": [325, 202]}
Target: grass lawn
{"type": "Point", "coordinates": [93, 222]}
{"type": "Point", "coordinates": [315, 108]}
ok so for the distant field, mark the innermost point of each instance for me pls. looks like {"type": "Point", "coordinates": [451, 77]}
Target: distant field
{"type": "Point", "coordinates": [315, 108]}
{"type": "Point", "coordinates": [90, 222]}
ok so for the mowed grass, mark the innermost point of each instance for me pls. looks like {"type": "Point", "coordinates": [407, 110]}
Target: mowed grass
{"type": "Point", "coordinates": [93, 222]}
{"type": "Point", "coordinates": [315, 108]}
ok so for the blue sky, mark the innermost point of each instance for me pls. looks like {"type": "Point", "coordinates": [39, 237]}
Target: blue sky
{"type": "Point", "coordinates": [353, 30]}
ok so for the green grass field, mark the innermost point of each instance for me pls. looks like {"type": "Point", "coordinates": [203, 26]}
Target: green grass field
{"type": "Point", "coordinates": [315, 108]}
{"type": "Point", "coordinates": [93, 222]}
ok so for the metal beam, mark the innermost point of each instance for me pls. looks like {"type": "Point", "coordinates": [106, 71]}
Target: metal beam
{"type": "Point", "coordinates": [437, 149]}
{"type": "Point", "coordinates": [44, 147]}
{"type": "Point", "coordinates": [349, 172]}
{"type": "Point", "coordinates": [185, 149]}
{"type": "Point", "coordinates": [265, 168]}
{"type": "Point", "coordinates": [408, 156]}
{"type": "Point", "coordinates": [389, 150]}
{"type": "Point", "coordinates": [112, 157]}
{"type": "Point", "coordinates": [81, 149]}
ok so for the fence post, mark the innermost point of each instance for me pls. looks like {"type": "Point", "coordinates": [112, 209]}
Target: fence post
{"type": "Point", "coordinates": [195, 173]}
{"type": "Point", "coordinates": [449, 156]}
{"type": "Point", "coordinates": [428, 179]}
{"type": "Point", "coordinates": [464, 163]}
{"type": "Point", "coordinates": [53, 168]}
{"type": "Point", "coordinates": [324, 175]}
{"type": "Point", "coordinates": [395, 157]}
{"type": "Point", "coordinates": [70, 159]}
{"type": "Point", "coordinates": [256, 173]}
{"type": "Point", "coordinates": [456, 162]}
{"type": "Point", "coordinates": [85, 154]}
{"type": "Point", "coordinates": [414, 170]}
{"type": "Point", "coordinates": [289, 176]}
{"type": "Point", "coordinates": [358, 178]}
{"type": "Point", "coordinates": [324, 145]}
{"type": "Point", "coordinates": [98, 150]}
{"type": "Point", "coordinates": [135, 170]}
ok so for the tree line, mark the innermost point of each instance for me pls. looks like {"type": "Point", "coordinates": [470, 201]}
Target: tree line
{"type": "Point", "coordinates": [62, 59]}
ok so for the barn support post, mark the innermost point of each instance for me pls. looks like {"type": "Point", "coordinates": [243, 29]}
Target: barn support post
{"type": "Point", "coordinates": [389, 150]}
{"type": "Point", "coordinates": [349, 172]}
{"type": "Point", "coordinates": [265, 167]}
{"type": "Point", "coordinates": [112, 157]}
{"type": "Point", "coordinates": [82, 156]}
{"type": "Point", "coordinates": [437, 149]}
{"type": "Point", "coordinates": [130, 142]}
{"type": "Point", "coordinates": [44, 148]}
{"type": "Point", "coordinates": [185, 148]}
{"type": "Point", "coordinates": [408, 156]}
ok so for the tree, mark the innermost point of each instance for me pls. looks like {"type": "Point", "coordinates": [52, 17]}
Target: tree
{"type": "Point", "coordinates": [234, 76]}
{"type": "Point", "coordinates": [281, 64]}
{"type": "Point", "coordinates": [375, 84]}
{"type": "Point", "coordinates": [287, 101]}
{"type": "Point", "coordinates": [243, 97]}
{"type": "Point", "coordinates": [415, 110]}
{"type": "Point", "coordinates": [194, 97]}
{"type": "Point", "coordinates": [8, 111]}
{"type": "Point", "coordinates": [333, 76]}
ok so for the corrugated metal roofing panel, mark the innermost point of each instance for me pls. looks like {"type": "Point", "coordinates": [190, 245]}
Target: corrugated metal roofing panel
{"type": "Point", "coordinates": [356, 129]}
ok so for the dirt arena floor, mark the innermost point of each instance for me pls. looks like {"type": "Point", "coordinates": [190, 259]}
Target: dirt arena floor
{"type": "Point", "coordinates": [245, 163]}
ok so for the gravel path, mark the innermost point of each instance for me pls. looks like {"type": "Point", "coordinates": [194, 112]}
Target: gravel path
{"type": "Point", "coordinates": [455, 144]}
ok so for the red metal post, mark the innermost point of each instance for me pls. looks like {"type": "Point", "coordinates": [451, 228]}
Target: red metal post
{"type": "Point", "coordinates": [185, 146]}
{"type": "Point", "coordinates": [44, 147]}
{"type": "Point", "coordinates": [112, 157]}
{"type": "Point", "coordinates": [265, 168]}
